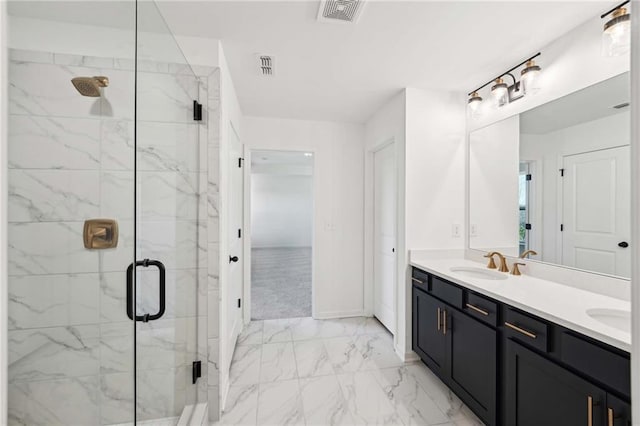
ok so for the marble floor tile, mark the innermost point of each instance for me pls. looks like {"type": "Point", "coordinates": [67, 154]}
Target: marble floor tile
{"type": "Point", "coordinates": [324, 403]}
{"type": "Point", "coordinates": [367, 402]}
{"type": "Point", "coordinates": [312, 359]}
{"type": "Point", "coordinates": [245, 365]}
{"type": "Point", "coordinates": [306, 328]}
{"type": "Point", "coordinates": [377, 349]}
{"type": "Point", "coordinates": [242, 406]}
{"type": "Point", "coordinates": [275, 331]}
{"type": "Point", "coordinates": [280, 403]}
{"type": "Point", "coordinates": [278, 362]}
{"type": "Point", "coordinates": [252, 334]}
{"type": "Point", "coordinates": [344, 355]}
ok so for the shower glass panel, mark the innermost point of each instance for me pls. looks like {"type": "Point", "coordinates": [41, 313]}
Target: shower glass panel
{"type": "Point", "coordinates": [96, 185]}
{"type": "Point", "coordinates": [167, 225]}
{"type": "Point", "coordinates": [71, 353]}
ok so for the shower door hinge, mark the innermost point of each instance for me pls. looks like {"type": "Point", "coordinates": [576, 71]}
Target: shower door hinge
{"type": "Point", "coordinates": [196, 371]}
{"type": "Point", "coordinates": [197, 111]}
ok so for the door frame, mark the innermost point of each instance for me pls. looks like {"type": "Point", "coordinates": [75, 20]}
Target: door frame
{"type": "Point", "coordinates": [246, 292]}
{"type": "Point", "coordinates": [369, 272]}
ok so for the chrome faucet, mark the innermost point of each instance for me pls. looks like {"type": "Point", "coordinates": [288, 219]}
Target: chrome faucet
{"type": "Point", "coordinates": [503, 261]}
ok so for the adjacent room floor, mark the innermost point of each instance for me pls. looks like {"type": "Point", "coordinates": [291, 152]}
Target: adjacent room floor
{"type": "Point", "coordinates": [280, 283]}
{"type": "Point", "coordinates": [333, 372]}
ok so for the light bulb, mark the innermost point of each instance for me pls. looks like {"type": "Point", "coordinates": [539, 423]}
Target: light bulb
{"type": "Point", "coordinates": [530, 78]}
{"type": "Point", "coordinates": [500, 93]}
{"type": "Point", "coordinates": [474, 102]}
{"type": "Point", "coordinates": [616, 37]}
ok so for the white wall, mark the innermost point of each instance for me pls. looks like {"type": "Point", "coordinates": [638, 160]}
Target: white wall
{"type": "Point", "coordinates": [548, 149]}
{"type": "Point", "coordinates": [493, 186]}
{"type": "Point", "coordinates": [3, 211]}
{"type": "Point", "coordinates": [338, 205]}
{"type": "Point", "coordinates": [428, 129]}
{"type": "Point", "coordinates": [281, 210]}
{"type": "Point", "coordinates": [635, 214]}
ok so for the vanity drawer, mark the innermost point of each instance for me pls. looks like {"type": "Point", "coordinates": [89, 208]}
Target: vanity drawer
{"type": "Point", "coordinates": [446, 291]}
{"type": "Point", "coordinates": [528, 330]}
{"type": "Point", "coordinates": [593, 360]}
{"type": "Point", "coordinates": [420, 278]}
{"type": "Point", "coordinates": [481, 308]}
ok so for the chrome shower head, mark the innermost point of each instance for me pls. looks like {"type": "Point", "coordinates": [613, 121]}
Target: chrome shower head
{"type": "Point", "coordinates": [90, 86]}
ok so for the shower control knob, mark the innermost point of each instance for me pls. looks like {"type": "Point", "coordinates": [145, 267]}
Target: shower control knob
{"type": "Point", "coordinates": [233, 259]}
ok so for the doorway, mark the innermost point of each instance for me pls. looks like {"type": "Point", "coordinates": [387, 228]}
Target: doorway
{"type": "Point", "coordinates": [595, 235]}
{"type": "Point", "coordinates": [281, 234]}
{"type": "Point", "coordinates": [384, 235]}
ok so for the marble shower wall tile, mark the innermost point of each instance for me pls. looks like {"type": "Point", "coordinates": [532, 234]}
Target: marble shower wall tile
{"type": "Point", "coordinates": [54, 353]}
{"type": "Point", "coordinates": [168, 195]}
{"type": "Point", "coordinates": [53, 143]}
{"type": "Point", "coordinates": [117, 144]}
{"type": "Point", "coordinates": [53, 195]}
{"type": "Point", "coordinates": [49, 248]}
{"type": "Point", "coordinates": [166, 97]}
{"type": "Point", "coordinates": [168, 146]}
{"type": "Point", "coordinates": [54, 402]}
{"type": "Point", "coordinates": [53, 300]}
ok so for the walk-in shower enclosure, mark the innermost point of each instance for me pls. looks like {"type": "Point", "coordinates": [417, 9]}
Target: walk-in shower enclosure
{"type": "Point", "coordinates": [102, 331]}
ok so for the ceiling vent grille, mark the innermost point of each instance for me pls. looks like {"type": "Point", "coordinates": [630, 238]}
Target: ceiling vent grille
{"type": "Point", "coordinates": [266, 65]}
{"type": "Point", "coordinates": [345, 11]}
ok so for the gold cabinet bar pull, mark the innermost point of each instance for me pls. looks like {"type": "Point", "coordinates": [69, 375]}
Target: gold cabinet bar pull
{"type": "Point", "coordinates": [478, 310]}
{"type": "Point", "coordinates": [610, 416]}
{"type": "Point", "coordinates": [439, 319]}
{"type": "Point", "coordinates": [589, 410]}
{"type": "Point", "coordinates": [444, 322]}
{"type": "Point", "coordinates": [415, 280]}
{"type": "Point", "coordinates": [520, 330]}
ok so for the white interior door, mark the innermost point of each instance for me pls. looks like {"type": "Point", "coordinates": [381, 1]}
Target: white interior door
{"type": "Point", "coordinates": [384, 238]}
{"type": "Point", "coordinates": [596, 211]}
{"type": "Point", "coordinates": [234, 238]}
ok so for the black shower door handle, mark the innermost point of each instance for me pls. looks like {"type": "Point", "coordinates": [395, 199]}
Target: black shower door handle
{"type": "Point", "coordinates": [161, 289]}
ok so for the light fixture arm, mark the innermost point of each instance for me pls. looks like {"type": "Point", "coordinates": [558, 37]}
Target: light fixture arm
{"type": "Point", "coordinates": [508, 72]}
{"type": "Point", "coordinates": [604, 15]}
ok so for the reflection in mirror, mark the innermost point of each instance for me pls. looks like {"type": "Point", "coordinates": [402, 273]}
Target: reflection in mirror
{"type": "Point", "coordinates": [556, 180]}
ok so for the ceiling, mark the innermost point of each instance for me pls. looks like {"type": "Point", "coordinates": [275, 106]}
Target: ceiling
{"type": "Point", "coordinates": [345, 72]}
{"type": "Point", "coordinates": [585, 105]}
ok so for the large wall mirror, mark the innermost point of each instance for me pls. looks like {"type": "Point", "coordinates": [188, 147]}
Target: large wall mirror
{"type": "Point", "coordinates": [556, 180]}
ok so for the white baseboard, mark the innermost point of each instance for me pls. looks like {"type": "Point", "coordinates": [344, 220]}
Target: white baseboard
{"type": "Point", "coordinates": [406, 356]}
{"type": "Point", "coordinates": [340, 314]}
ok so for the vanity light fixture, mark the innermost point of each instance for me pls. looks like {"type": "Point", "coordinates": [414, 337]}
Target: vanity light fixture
{"type": "Point", "coordinates": [502, 93]}
{"type": "Point", "coordinates": [529, 77]}
{"type": "Point", "coordinates": [616, 36]}
{"type": "Point", "coordinates": [474, 101]}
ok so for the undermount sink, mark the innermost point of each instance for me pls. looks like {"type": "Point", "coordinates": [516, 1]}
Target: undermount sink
{"type": "Point", "coordinates": [615, 318]}
{"type": "Point", "coordinates": [473, 272]}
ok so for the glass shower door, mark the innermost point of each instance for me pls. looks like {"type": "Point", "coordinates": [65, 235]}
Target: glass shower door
{"type": "Point", "coordinates": [169, 261]}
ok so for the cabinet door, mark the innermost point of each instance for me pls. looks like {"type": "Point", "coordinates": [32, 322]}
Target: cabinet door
{"type": "Point", "coordinates": [539, 392]}
{"type": "Point", "coordinates": [618, 412]}
{"type": "Point", "coordinates": [429, 340]}
{"type": "Point", "coordinates": [472, 363]}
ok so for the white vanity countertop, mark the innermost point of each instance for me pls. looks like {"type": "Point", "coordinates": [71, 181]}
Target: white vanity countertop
{"type": "Point", "coordinates": [558, 303]}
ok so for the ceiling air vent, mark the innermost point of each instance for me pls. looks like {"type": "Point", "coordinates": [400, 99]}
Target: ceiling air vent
{"type": "Point", "coordinates": [623, 105]}
{"type": "Point", "coordinates": [345, 11]}
{"type": "Point", "coordinates": [266, 65]}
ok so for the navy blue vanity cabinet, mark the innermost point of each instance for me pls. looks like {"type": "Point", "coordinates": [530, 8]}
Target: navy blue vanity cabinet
{"type": "Point", "coordinates": [513, 368]}
{"type": "Point", "coordinates": [456, 347]}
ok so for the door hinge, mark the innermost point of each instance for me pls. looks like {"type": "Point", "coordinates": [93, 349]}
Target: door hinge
{"type": "Point", "coordinates": [561, 227]}
{"type": "Point", "coordinates": [240, 160]}
{"type": "Point", "coordinates": [527, 226]}
{"type": "Point", "coordinates": [239, 303]}
{"type": "Point", "coordinates": [528, 177]}
{"type": "Point", "coordinates": [196, 371]}
{"type": "Point", "coordinates": [239, 233]}
{"type": "Point", "coordinates": [197, 111]}
{"type": "Point", "coordinates": [561, 172]}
